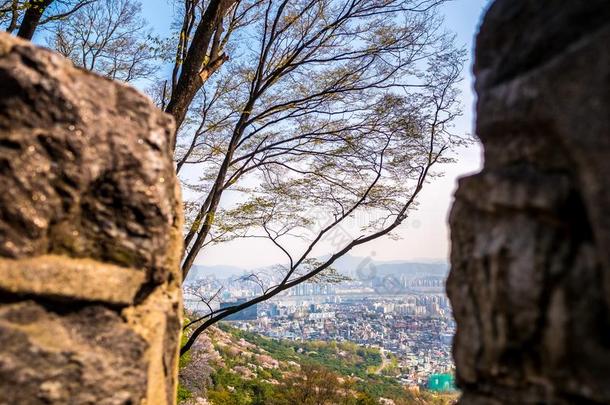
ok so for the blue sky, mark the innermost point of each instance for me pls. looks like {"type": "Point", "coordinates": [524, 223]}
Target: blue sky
{"type": "Point", "coordinates": [424, 235]}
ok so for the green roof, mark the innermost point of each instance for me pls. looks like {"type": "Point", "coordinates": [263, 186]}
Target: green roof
{"type": "Point", "coordinates": [441, 382]}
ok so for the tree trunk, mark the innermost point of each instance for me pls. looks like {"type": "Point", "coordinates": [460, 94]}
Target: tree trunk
{"type": "Point", "coordinates": [190, 80]}
{"type": "Point", "coordinates": [31, 18]}
{"type": "Point", "coordinates": [216, 194]}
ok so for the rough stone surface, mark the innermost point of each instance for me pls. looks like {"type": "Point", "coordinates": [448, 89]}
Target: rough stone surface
{"type": "Point", "coordinates": [90, 226]}
{"type": "Point", "coordinates": [50, 358]}
{"type": "Point", "coordinates": [530, 277]}
{"type": "Point", "coordinates": [87, 164]}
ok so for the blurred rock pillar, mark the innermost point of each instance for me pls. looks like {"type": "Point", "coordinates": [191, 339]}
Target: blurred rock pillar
{"type": "Point", "coordinates": [530, 277]}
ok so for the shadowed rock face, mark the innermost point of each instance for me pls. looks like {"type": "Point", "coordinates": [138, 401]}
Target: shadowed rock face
{"type": "Point", "coordinates": [530, 277]}
{"type": "Point", "coordinates": [90, 227]}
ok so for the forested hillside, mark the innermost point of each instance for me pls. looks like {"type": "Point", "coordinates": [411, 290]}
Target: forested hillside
{"type": "Point", "coordinates": [234, 367]}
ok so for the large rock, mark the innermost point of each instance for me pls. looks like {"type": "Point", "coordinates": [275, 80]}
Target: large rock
{"type": "Point", "coordinates": [90, 226]}
{"type": "Point", "coordinates": [530, 277]}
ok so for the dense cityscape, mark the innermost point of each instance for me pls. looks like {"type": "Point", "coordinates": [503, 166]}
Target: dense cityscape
{"type": "Point", "coordinates": [408, 317]}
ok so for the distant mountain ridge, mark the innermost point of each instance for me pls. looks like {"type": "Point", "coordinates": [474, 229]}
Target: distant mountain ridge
{"type": "Point", "coordinates": [356, 266]}
{"type": "Point", "coordinates": [348, 265]}
{"type": "Point", "coordinates": [219, 271]}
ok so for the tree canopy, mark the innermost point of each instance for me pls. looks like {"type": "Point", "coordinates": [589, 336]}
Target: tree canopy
{"type": "Point", "coordinates": [313, 114]}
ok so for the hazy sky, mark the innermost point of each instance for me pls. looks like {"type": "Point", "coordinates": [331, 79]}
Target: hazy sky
{"type": "Point", "coordinates": [424, 235]}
